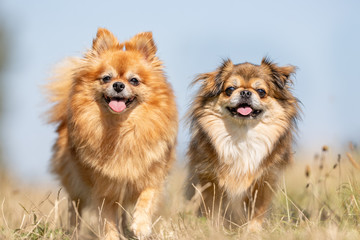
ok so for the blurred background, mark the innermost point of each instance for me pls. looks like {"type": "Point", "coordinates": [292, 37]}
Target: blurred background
{"type": "Point", "coordinates": [321, 38]}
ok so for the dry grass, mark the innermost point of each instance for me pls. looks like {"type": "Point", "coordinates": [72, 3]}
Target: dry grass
{"type": "Point", "coordinates": [315, 199]}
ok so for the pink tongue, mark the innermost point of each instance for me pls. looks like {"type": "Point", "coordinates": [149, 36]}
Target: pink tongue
{"type": "Point", "coordinates": [117, 106]}
{"type": "Point", "coordinates": [244, 110]}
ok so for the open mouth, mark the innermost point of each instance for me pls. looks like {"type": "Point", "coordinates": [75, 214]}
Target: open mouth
{"type": "Point", "coordinates": [118, 104]}
{"type": "Point", "coordinates": [244, 110]}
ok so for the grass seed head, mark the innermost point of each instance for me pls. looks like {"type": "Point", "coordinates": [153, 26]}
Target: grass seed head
{"type": "Point", "coordinates": [307, 171]}
{"type": "Point", "coordinates": [352, 161]}
{"type": "Point", "coordinates": [325, 148]}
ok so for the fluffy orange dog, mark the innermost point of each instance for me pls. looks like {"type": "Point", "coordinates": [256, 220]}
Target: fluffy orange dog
{"type": "Point", "coordinates": [242, 123]}
{"type": "Point", "coordinates": [117, 126]}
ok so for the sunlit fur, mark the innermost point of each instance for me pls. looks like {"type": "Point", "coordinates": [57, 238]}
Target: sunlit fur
{"type": "Point", "coordinates": [239, 156]}
{"type": "Point", "coordinates": [107, 158]}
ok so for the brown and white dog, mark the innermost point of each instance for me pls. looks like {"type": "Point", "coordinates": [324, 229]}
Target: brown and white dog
{"type": "Point", "coordinates": [242, 124]}
{"type": "Point", "coordinates": [117, 126]}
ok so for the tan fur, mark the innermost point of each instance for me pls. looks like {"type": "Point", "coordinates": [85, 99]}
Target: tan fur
{"type": "Point", "coordinates": [113, 158]}
{"type": "Point", "coordinates": [239, 156]}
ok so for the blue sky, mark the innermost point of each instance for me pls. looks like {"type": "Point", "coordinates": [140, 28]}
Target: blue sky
{"type": "Point", "coordinates": [321, 38]}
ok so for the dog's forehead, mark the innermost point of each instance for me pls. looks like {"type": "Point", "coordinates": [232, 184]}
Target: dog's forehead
{"type": "Point", "coordinates": [122, 62]}
{"type": "Point", "coordinates": [248, 75]}
{"type": "Point", "coordinates": [248, 71]}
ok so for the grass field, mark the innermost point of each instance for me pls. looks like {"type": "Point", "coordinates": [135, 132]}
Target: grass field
{"type": "Point", "coordinates": [316, 198]}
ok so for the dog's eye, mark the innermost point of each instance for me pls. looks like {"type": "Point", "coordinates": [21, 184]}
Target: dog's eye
{"type": "Point", "coordinates": [106, 79]}
{"type": "Point", "coordinates": [229, 91]}
{"type": "Point", "coordinates": [134, 81]}
{"type": "Point", "coordinates": [261, 92]}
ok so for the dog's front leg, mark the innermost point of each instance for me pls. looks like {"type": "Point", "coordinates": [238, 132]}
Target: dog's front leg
{"type": "Point", "coordinates": [261, 198]}
{"type": "Point", "coordinates": [110, 220]}
{"type": "Point", "coordinates": [144, 208]}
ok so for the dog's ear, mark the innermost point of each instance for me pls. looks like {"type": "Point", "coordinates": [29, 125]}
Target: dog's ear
{"type": "Point", "coordinates": [280, 75]}
{"type": "Point", "coordinates": [212, 83]}
{"type": "Point", "coordinates": [144, 43]}
{"type": "Point", "coordinates": [104, 40]}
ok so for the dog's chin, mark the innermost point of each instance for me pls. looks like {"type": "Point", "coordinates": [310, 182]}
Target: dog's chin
{"type": "Point", "coordinates": [119, 105]}
{"type": "Point", "coordinates": [244, 111]}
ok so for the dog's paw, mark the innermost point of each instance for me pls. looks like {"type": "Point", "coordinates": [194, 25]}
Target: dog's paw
{"type": "Point", "coordinates": [254, 226]}
{"type": "Point", "coordinates": [112, 235]}
{"type": "Point", "coordinates": [141, 227]}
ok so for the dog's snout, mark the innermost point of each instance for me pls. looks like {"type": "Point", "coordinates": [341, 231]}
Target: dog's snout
{"type": "Point", "coordinates": [245, 94]}
{"type": "Point", "coordinates": [118, 86]}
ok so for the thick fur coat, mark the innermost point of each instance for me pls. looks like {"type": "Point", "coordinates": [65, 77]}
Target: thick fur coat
{"type": "Point", "coordinates": [117, 124]}
{"type": "Point", "coordinates": [242, 120]}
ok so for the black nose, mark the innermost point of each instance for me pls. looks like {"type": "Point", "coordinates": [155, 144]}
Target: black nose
{"type": "Point", "coordinates": [245, 94]}
{"type": "Point", "coordinates": [118, 86]}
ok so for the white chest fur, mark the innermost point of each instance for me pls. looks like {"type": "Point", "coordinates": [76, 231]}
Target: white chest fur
{"type": "Point", "coordinates": [241, 145]}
